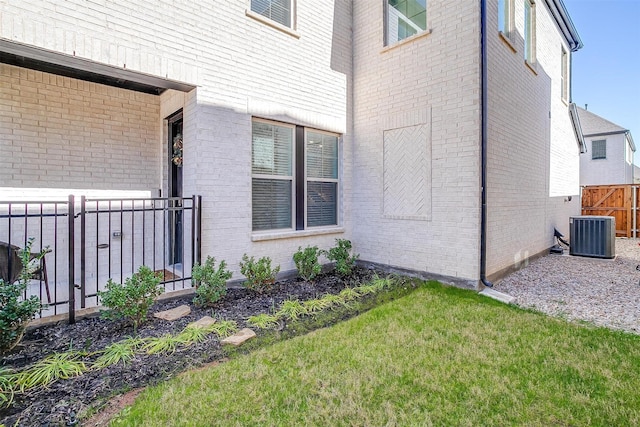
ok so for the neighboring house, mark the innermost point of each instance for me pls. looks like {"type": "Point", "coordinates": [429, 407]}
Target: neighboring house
{"type": "Point", "coordinates": [435, 146]}
{"type": "Point", "coordinates": [609, 155]}
{"type": "Point", "coordinates": [636, 174]}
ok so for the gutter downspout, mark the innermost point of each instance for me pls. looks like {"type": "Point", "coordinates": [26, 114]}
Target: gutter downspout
{"type": "Point", "coordinates": [483, 143]}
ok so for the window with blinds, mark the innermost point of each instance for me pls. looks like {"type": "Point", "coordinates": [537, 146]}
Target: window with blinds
{"type": "Point", "coordinates": [599, 149]}
{"type": "Point", "coordinates": [279, 11]}
{"type": "Point", "coordinates": [272, 173]}
{"type": "Point", "coordinates": [322, 179]}
{"type": "Point", "coordinates": [289, 190]}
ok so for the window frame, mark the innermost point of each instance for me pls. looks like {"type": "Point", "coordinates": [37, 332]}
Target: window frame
{"type": "Point", "coordinates": [386, 42]}
{"type": "Point", "coordinates": [530, 32]}
{"type": "Point", "coordinates": [290, 30]}
{"type": "Point", "coordinates": [564, 75]}
{"type": "Point", "coordinates": [307, 178]}
{"type": "Point", "coordinates": [290, 178]}
{"type": "Point", "coordinates": [508, 15]}
{"type": "Point", "coordinates": [298, 179]}
{"type": "Point", "coordinates": [604, 148]}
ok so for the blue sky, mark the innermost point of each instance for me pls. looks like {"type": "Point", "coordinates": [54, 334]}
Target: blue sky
{"type": "Point", "coordinates": [606, 71]}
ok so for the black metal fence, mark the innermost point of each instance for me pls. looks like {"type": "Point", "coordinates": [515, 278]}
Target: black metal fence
{"type": "Point", "coordinates": [90, 241]}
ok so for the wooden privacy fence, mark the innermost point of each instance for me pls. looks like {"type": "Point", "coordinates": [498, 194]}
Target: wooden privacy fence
{"type": "Point", "coordinates": [619, 201]}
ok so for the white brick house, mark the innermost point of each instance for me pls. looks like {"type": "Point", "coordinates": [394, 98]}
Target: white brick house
{"type": "Point", "coordinates": [609, 155]}
{"type": "Point", "coordinates": [380, 122]}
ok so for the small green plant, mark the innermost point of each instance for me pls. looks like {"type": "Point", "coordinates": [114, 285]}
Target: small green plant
{"type": "Point", "coordinates": [260, 276]}
{"type": "Point", "coordinates": [46, 371]}
{"type": "Point", "coordinates": [381, 283]}
{"type": "Point", "coordinates": [341, 255]}
{"type": "Point", "coordinates": [16, 312]}
{"type": "Point", "coordinates": [366, 289]}
{"type": "Point", "coordinates": [165, 344]}
{"type": "Point", "coordinates": [315, 305]}
{"type": "Point", "coordinates": [291, 309]}
{"type": "Point", "coordinates": [224, 328]}
{"type": "Point", "coordinates": [7, 386]}
{"type": "Point", "coordinates": [211, 281]}
{"type": "Point", "coordinates": [194, 334]}
{"type": "Point", "coordinates": [306, 261]}
{"type": "Point", "coordinates": [331, 300]}
{"type": "Point", "coordinates": [349, 294]}
{"type": "Point", "coordinates": [132, 300]}
{"type": "Point", "coordinates": [122, 351]}
{"type": "Point", "coordinates": [263, 321]}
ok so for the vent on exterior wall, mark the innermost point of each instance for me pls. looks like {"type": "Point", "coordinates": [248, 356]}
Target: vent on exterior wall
{"type": "Point", "coordinates": [593, 236]}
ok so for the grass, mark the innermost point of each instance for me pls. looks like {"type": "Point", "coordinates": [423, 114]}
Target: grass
{"type": "Point", "coordinates": [440, 356]}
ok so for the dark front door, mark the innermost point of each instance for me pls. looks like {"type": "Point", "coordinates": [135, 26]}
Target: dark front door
{"type": "Point", "coordinates": [175, 189]}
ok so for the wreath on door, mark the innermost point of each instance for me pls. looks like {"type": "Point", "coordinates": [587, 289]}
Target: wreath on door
{"type": "Point", "coordinates": [176, 158]}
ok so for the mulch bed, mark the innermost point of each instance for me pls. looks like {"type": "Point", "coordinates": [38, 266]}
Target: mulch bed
{"type": "Point", "coordinates": [62, 401]}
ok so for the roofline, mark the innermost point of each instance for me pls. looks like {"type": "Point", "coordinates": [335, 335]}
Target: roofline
{"type": "Point", "coordinates": [48, 61]}
{"type": "Point", "coordinates": [562, 18]}
{"type": "Point", "coordinates": [615, 132]}
{"type": "Point", "coordinates": [625, 132]}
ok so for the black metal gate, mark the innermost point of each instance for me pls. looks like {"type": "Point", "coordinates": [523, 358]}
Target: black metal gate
{"type": "Point", "coordinates": [93, 240]}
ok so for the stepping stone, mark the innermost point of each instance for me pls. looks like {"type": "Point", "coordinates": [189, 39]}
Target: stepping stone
{"type": "Point", "coordinates": [502, 297]}
{"type": "Point", "coordinates": [202, 323]}
{"type": "Point", "coordinates": [174, 313]}
{"type": "Point", "coordinates": [239, 338]}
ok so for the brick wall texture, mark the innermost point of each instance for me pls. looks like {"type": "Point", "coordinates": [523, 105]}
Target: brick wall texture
{"type": "Point", "coordinates": [333, 73]}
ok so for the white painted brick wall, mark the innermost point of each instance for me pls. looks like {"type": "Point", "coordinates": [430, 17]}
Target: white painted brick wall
{"type": "Point", "coordinates": [57, 132]}
{"type": "Point", "coordinates": [439, 72]}
{"type": "Point", "coordinates": [533, 155]}
{"type": "Point", "coordinates": [242, 68]}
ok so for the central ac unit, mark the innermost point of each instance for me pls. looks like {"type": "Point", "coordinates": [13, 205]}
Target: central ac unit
{"type": "Point", "coordinates": [593, 236]}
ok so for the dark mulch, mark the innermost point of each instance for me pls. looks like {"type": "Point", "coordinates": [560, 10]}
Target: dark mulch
{"type": "Point", "coordinates": [64, 400]}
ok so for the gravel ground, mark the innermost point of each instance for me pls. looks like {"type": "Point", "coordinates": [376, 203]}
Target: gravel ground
{"type": "Point", "coordinates": [602, 292]}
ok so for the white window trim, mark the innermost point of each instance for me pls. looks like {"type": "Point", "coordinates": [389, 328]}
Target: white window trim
{"type": "Point", "coordinates": [277, 177]}
{"type": "Point", "coordinates": [530, 53]}
{"type": "Point", "coordinates": [507, 35]}
{"type": "Point", "coordinates": [337, 181]}
{"type": "Point", "coordinates": [286, 233]}
{"type": "Point", "coordinates": [385, 36]}
{"type": "Point", "coordinates": [275, 24]}
{"type": "Point", "coordinates": [564, 71]}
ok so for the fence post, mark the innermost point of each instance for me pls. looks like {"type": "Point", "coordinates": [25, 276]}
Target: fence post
{"type": "Point", "coordinates": [199, 232]}
{"type": "Point", "coordinates": [72, 278]}
{"type": "Point", "coordinates": [83, 260]}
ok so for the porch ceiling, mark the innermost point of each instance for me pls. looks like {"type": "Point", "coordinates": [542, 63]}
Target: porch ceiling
{"type": "Point", "coordinates": [36, 58]}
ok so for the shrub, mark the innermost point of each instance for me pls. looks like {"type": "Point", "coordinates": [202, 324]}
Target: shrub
{"type": "Point", "coordinates": [211, 281]}
{"type": "Point", "coordinates": [341, 255]}
{"type": "Point", "coordinates": [307, 262]}
{"type": "Point", "coordinates": [132, 300]}
{"type": "Point", "coordinates": [16, 312]}
{"type": "Point", "coordinates": [260, 276]}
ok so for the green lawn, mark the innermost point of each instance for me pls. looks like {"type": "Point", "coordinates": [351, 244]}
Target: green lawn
{"type": "Point", "coordinates": [440, 356]}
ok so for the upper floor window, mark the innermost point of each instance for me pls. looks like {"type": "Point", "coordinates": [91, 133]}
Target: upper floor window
{"type": "Point", "coordinates": [404, 18]}
{"type": "Point", "coordinates": [505, 16]}
{"type": "Point", "coordinates": [280, 11]}
{"type": "Point", "coordinates": [564, 78]}
{"type": "Point", "coordinates": [599, 149]}
{"type": "Point", "coordinates": [294, 177]}
{"type": "Point", "coordinates": [529, 31]}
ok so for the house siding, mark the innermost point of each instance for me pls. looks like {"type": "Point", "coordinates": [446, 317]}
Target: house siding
{"type": "Point", "coordinates": [242, 68]}
{"type": "Point", "coordinates": [533, 156]}
{"type": "Point", "coordinates": [429, 85]}
{"type": "Point", "coordinates": [57, 131]}
{"type": "Point", "coordinates": [613, 170]}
